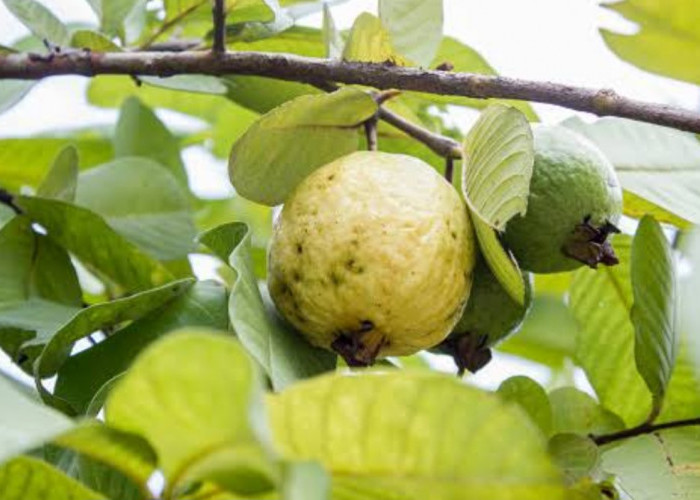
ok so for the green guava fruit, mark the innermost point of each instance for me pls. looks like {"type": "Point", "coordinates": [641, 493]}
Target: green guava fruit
{"type": "Point", "coordinates": [372, 256]}
{"type": "Point", "coordinates": [575, 201]}
{"type": "Point", "coordinates": [490, 316]}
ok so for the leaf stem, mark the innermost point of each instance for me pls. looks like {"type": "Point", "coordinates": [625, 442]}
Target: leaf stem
{"type": "Point", "coordinates": [219, 17]}
{"type": "Point", "coordinates": [449, 168]}
{"type": "Point", "coordinates": [645, 428]}
{"type": "Point", "coordinates": [371, 133]}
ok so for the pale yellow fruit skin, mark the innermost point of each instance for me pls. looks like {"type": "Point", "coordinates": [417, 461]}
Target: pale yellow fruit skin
{"type": "Point", "coordinates": [373, 237]}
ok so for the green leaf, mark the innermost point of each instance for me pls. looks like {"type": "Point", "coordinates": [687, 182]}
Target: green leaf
{"type": "Point", "coordinates": [383, 435]}
{"type": "Point", "coordinates": [370, 42]}
{"type": "Point", "coordinates": [39, 20]}
{"type": "Point", "coordinates": [414, 26]}
{"type": "Point", "coordinates": [657, 466]}
{"type": "Point", "coordinates": [576, 455]}
{"type": "Point", "coordinates": [500, 261]}
{"type": "Point", "coordinates": [88, 237]}
{"type": "Point", "coordinates": [497, 165]}
{"type": "Point", "coordinates": [691, 290]}
{"type": "Point", "coordinates": [94, 41]}
{"type": "Point", "coordinates": [127, 453]}
{"type": "Point", "coordinates": [204, 304]}
{"type": "Point", "coordinates": [195, 397]}
{"type": "Point", "coordinates": [574, 411]}
{"type": "Point", "coordinates": [530, 396]}
{"type": "Point", "coordinates": [305, 481]}
{"type": "Point", "coordinates": [61, 181]}
{"type": "Point", "coordinates": [140, 133]}
{"type": "Point", "coordinates": [667, 38]}
{"type": "Point", "coordinates": [657, 164]}
{"type": "Point", "coordinates": [290, 142]}
{"type": "Point", "coordinates": [25, 162]}
{"type": "Point", "coordinates": [112, 14]}
{"type": "Point", "coordinates": [100, 316]}
{"type": "Point", "coordinates": [601, 301]}
{"type": "Point", "coordinates": [25, 423]}
{"type": "Point", "coordinates": [652, 271]}
{"type": "Point", "coordinates": [26, 478]}
{"type": "Point", "coordinates": [144, 203]}
{"type": "Point", "coordinates": [12, 92]}
{"type": "Point", "coordinates": [280, 350]}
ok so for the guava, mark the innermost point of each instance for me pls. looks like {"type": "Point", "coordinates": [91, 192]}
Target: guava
{"type": "Point", "coordinates": [372, 256]}
{"type": "Point", "coordinates": [490, 316]}
{"type": "Point", "coordinates": [574, 203]}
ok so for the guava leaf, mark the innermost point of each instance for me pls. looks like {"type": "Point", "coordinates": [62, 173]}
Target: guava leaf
{"type": "Point", "coordinates": [280, 350]}
{"type": "Point", "coordinates": [305, 481]}
{"type": "Point", "coordinates": [25, 423]}
{"type": "Point", "coordinates": [142, 201]}
{"type": "Point", "coordinates": [26, 478]}
{"type": "Point", "coordinates": [204, 304]}
{"type": "Point", "coordinates": [93, 40]}
{"type": "Point", "coordinates": [667, 38]}
{"type": "Point", "coordinates": [39, 20]}
{"type": "Point", "coordinates": [691, 290]}
{"type": "Point", "coordinates": [497, 165]}
{"type": "Point", "coordinates": [293, 140]}
{"type": "Point", "coordinates": [657, 466]}
{"type": "Point", "coordinates": [87, 235]}
{"type": "Point", "coordinates": [578, 456]}
{"type": "Point", "coordinates": [112, 14]}
{"type": "Point", "coordinates": [601, 301]}
{"type": "Point", "coordinates": [12, 92]}
{"type": "Point", "coordinates": [139, 132]}
{"type": "Point", "coordinates": [331, 36]}
{"type": "Point", "coordinates": [210, 384]}
{"type": "Point", "coordinates": [500, 261]}
{"type": "Point", "coordinates": [657, 164]}
{"type": "Point", "coordinates": [369, 41]}
{"type": "Point", "coordinates": [530, 396]}
{"type": "Point", "coordinates": [574, 411]}
{"type": "Point", "coordinates": [653, 275]}
{"type": "Point", "coordinates": [25, 162]}
{"type": "Point", "coordinates": [60, 182]}
{"type": "Point", "coordinates": [127, 453]}
{"type": "Point", "coordinates": [394, 435]}
{"type": "Point", "coordinates": [414, 26]}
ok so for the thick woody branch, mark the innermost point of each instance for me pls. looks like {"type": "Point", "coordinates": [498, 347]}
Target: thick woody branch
{"type": "Point", "coordinates": [381, 76]}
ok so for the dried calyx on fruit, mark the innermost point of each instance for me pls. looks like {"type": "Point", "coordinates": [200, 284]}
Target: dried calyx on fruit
{"type": "Point", "coordinates": [372, 256]}
{"type": "Point", "coordinates": [574, 203]}
{"type": "Point", "coordinates": [490, 316]}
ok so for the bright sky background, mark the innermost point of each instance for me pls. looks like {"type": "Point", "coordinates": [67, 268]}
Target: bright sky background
{"type": "Point", "coordinates": [554, 40]}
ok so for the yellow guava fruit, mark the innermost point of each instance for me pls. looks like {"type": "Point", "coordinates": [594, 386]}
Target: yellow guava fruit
{"type": "Point", "coordinates": [372, 256]}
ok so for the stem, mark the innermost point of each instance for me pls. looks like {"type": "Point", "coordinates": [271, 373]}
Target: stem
{"type": "Point", "coordinates": [645, 428]}
{"type": "Point", "coordinates": [444, 146]}
{"type": "Point", "coordinates": [371, 133]}
{"type": "Point", "coordinates": [219, 14]}
{"type": "Point", "coordinates": [449, 168]}
{"type": "Point", "coordinates": [169, 24]}
{"type": "Point", "coordinates": [603, 102]}
{"type": "Point", "coordinates": [6, 199]}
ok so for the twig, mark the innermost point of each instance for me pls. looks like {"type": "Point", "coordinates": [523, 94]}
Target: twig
{"type": "Point", "coordinates": [311, 70]}
{"type": "Point", "coordinates": [643, 429]}
{"type": "Point", "coordinates": [371, 133]}
{"type": "Point", "coordinates": [219, 18]}
{"type": "Point", "coordinates": [449, 168]}
{"type": "Point", "coordinates": [444, 146]}
{"type": "Point", "coordinates": [169, 24]}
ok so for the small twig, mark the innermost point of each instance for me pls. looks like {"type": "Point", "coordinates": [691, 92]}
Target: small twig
{"type": "Point", "coordinates": [7, 199]}
{"type": "Point", "coordinates": [449, 168]}
{"type": "Point", "coordinates": [219, 16]}
{"type": "Point", "coordinates": [645, 428]}
{"type": "Point", "coordinates": [371, 133]}
{"type": "Point", "coordinates": [443, 146]}
{"type": "Point", "coordinates": [169, 24]}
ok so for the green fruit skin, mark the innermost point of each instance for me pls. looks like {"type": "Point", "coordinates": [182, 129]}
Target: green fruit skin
{"type": "Point", "coordinates": [373, 238]}
{"type": "Point", "coordinates": [490, 310]}
{"type": "Point", "coordinates": [571, 180]}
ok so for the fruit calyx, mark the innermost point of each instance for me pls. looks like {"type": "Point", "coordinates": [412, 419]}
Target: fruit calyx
{"type": "Point", "coordinates": [469, 352]}
{"type": "Point", "coordinates": [589, 244]}
{"type": "Point", "coordinates": [360, 347]}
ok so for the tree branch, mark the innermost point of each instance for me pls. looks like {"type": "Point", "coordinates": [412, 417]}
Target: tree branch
{"type": "Point", "coordinates": [310, 70]}
{"type": "Point", "coordinates": [219, 18]}
{"type": "Point", "coordinates": [444, 146]}
{"type": "Point", "coordinates": [643, 429]}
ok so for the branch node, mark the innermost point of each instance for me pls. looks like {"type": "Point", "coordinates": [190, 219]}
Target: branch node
{"type": "Point", "coordinates": [604, 101]}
